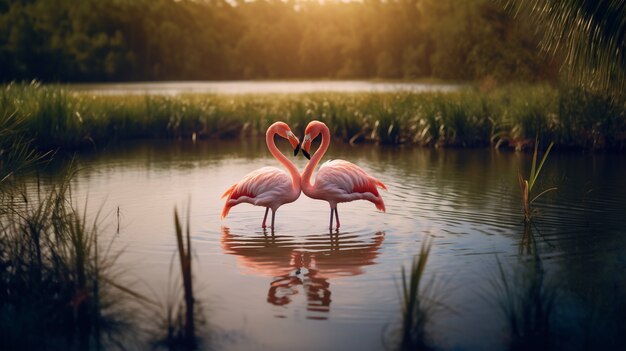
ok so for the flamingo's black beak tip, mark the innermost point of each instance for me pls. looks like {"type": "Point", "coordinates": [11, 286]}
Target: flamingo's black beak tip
{"type": "Point", "coordinates": [306, 154]}
{"type": "Point", "coordinates": [295, 151]}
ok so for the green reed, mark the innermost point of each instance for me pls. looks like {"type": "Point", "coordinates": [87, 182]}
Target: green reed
{"type": "Point", "coordinates": [57, 289]}
{"type": "Point", "coordinates": [179, 314]}
{"type": "Point", "coordinates": [184, 255]}
{"type": "Point", "coordinates": [525, 300]}
{"type": "Point", "coordinates": [508, 116]}
{"type": "Point", "coordinates": [54, 282]}
{"type": "Point", "coordinates": [527, 186]}
{"type": "Point", "coordinates": [414, 311]}
{"type": "Point", "coordinates": [420, 300]}
{"type": "Point", "coordinates": [16, 150]}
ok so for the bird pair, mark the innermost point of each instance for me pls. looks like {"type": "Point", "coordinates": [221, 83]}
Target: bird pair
{"type": "Point", "coordinates": [337, 180]}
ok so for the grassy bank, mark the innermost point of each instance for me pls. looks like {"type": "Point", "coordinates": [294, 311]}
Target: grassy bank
{"type": "Point", "coordinates": [509, 116]}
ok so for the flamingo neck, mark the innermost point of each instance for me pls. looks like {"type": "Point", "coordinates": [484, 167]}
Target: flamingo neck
{"type": "Point", "coordinates": [315, 160]}
{"type": "Point", "coordinates": [291, 168]}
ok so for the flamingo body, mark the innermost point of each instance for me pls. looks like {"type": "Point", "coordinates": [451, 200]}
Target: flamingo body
{"type": "Point", "coordinates": [337, 180]}
{"type": "Point", "coordinates": [267, 186]}
{"type": "Point", "coordinates": [342, 181]}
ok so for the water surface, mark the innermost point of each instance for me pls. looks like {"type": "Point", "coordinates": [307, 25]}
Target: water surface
{"type": "Point", "coordinates": [303, 287]}
{"type": "Point", "coordinates": [259, 87]}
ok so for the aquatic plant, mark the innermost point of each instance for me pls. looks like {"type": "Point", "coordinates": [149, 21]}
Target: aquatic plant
{"type": "Point", "coordinates": [16, 150]}
{"type": "Point", "coordinates": [527, 185]}
{"type": "Point", "coordinates": [184, 254]}
{"type": "Point", "coordinates": [420, 301]}
{"type": "Point", "coordinates": [177, 316]}
{"type": "Point", "coordinates": [414, 309]}
{"type": "Point", "coordinates": [527, 304]}
{"type": "Point", "coordinates": [56, 285]}
{"type": "Point", "coordinates": [54, 116]}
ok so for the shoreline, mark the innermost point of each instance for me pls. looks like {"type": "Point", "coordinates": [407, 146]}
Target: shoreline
{"type": "Point", "coordinates": [503, 117]}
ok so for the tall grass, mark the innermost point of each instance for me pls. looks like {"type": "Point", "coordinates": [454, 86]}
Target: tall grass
{"type": "Point", "coordinates": [420, 300]}
{"type": "Point", "coordinates": [527, 186]}
{"type": "Point", "coordinates": [509, 116]}
{"type": "Point", "coordinates": [54, 282]}
{"type": "Point", "coordinates": [414, 307]}
{"type": "Point", "coordinates": [179, 314]}
{"type": "Point", "coordinates": [525, 300]}
{"type": "Point", "coordinates": [58, 289]}
{"type": "Point", "coordinates": [16, 150]}
{"type": "Point", "coordinates": [184, 254]}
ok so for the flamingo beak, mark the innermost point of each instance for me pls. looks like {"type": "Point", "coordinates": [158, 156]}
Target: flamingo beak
{"type": "Point", "coordinates": [294, 141]}
{"type": "Point", "coordinates": [306, 146]}
{"type": "Point", "coordinates": [295, 151]}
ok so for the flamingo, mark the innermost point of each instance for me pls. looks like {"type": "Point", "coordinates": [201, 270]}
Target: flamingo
{"type": "Point", "coordinates": [269, 187]}
{"type": "Point", "coordinates": [337, 180]}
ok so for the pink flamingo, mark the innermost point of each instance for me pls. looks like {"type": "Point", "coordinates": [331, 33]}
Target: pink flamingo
{"type": "Point", "coordinates": [268, 186]}
{"type": "Point", "coordinates": [337, 180]}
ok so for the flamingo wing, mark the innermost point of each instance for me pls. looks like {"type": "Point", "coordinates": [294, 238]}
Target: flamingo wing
{"type": "Point", "coordinates": [267, 186]}
{"type": "Point", "coordinates": [346, 181]}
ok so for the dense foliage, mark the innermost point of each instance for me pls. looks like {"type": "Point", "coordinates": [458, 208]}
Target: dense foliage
{"type": "Point", "coordinates": [588, 35]}
{"type": "Point", "coordinates": [510, 116]}
{"type": "Point", "coordinates": [94, 40]}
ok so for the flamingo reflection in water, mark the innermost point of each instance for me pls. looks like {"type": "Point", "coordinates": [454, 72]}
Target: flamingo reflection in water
{"type": "Point", "coordinates": [306, 265]}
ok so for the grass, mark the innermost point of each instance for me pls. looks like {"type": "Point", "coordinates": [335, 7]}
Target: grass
{"type": "Point", "coordinates": [414, 310]}
{"type": "Point", "coordinates": [184, 254]}
{"type": "Point", "coordinates": [54, 280]}
{"type": "Point", "coordinates": [419, 302]}
{"type": "Point", "coordinates": [509, 116]}
{"type": "Point", "coordinates": [58, 290]}
{"type": "Point", "coordinates": [178, 316]}
{"type": "Point", "coordinates": [16, 150]}
{"type": "Point", "coordinates": [526, 302]}
{"type": "Point", "coordinates": [527, 185]}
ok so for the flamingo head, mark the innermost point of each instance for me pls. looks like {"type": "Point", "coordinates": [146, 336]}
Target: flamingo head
{"type": "Point", "coordinates": [283, 130]}
{"type": "Point", "coordinates": [312, 131]}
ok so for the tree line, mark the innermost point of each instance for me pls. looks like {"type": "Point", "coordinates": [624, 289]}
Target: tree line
{"type": "Point", "coordinates": [125, 40]}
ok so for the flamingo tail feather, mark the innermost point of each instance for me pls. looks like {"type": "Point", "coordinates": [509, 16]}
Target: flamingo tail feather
{"type": "Point", "coordinates": [227, 206]}
{"type": "Point", "coordinates": [380, 205]}
{"type": "Point", "coordinates": [226, 209]}
{"type": "Point", "coordinates": [381, 185]}
{"type": "Point", "coordinates": [229, 191]}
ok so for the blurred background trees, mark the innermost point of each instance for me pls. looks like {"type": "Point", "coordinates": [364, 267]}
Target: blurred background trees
{"type": "Point", "coordinates": [122, 40]}
{"type": "Point", "coordinates": [588, 37]}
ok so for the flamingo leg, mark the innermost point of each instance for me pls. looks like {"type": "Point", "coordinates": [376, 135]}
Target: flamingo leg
{"type": "Point", "coordinates": [265, 218]}
{"type": "Point", "coordinates": [331, 219]}
{"type": "Point", "coordinates": [273, 217]}
{"type": "Point", "coordinates": [337, 217]}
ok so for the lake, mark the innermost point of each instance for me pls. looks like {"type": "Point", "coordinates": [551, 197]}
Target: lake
{"type": "Point", "coordinates": [303, 287]}
{"type": "Point", "coordinates": [258, 87]}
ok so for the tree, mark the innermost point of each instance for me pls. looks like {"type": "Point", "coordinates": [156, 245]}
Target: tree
{"type": "Point", "coordinates": [589, 35]}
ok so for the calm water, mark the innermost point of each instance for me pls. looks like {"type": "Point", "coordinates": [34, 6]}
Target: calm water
{"type": "Point", "coordinates": [346, 296]}
{"type": "Point", "coordinates": [261, 87]}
